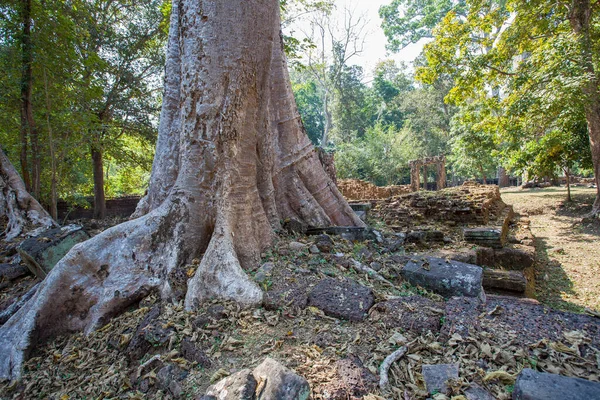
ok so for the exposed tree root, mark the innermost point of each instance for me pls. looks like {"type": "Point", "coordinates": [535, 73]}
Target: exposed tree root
{"type": "Point", "coordinates": [22, 211]}
{"type": "Point", "coordinates": [384, 381]}
{"type": "Point", "coordinates": [16, 306]}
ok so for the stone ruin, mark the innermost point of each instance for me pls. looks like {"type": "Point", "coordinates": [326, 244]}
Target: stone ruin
{"type": "Point", "coordinates": [356, 190]}
{"type": "Point", "coordinates": [415, 172]}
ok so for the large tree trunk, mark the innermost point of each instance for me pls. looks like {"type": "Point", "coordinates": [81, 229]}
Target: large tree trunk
{"type": "Point", "coordinates": [580, 18]}
{"type": "Point", "coordinates": [98, 172]}
{"type": "Point", "coordinates": [232, 161]}
{"type": "Point", "coordinates": [19, 209]}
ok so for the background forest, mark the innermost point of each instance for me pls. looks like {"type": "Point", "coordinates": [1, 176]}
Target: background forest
{"type": "Point", "coordinates": [498, 84]}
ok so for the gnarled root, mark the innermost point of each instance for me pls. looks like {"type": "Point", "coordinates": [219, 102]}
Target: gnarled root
{"type": "Point", "coordinates": [221, 276]}
{"type": "Point", "coordinates": [96, 280]}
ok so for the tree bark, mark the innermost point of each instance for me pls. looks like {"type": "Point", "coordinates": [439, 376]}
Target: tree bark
{"type": "Point", "coordinates": [580, 18]}
{"type": "Point", "coordinates": [21, 211]}
{"type": "Point", "coordinates": [233, 163]}
{"type": "Point", "coordinates": [98, 172]}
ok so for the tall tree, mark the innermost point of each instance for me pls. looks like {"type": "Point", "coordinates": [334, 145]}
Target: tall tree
{"type": "Point", "coordinates": [538, 55]}
{"type": "Point", "coordinates": [232, 161]}
{"type": "Point", "coordinates": [121, 46]}
{"type": "Point", "coordinates": [336, 42]}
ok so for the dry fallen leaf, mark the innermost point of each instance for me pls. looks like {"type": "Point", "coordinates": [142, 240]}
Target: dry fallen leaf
{"type": "Point", "coordinates": [502, 376]}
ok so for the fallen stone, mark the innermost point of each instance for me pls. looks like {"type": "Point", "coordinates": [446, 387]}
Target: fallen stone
{"type": "Point", "coordinates": [324, 243]}
{"type": "Point", "coordinates": [376, 266]}
{"type": "Point", "coordinates": [314, 249]}
{"type": "Point", "coordinates": [424, 236]}
{"type": "Point", "coordinates": [351, 233]}
{"type": "Point", "coordinates": [168, 379]}
{"type": "Point", "coordinates": [487, 237]}
{"type": "Point", "coordinates": [516, 258]}
{"type": "Point", "coordinates": [9, 272]}
{"type": "Point", "coordinates": [149, 334]}
{"type": "Point", "coordinates": [297, 246]}
{"type": "Point", "coordinates": [353, 380]}
{"type": "Point", "coordinates": [192, 353]}
{"type": "Point", "coordinates": [476, 392]}
{"type": "Point", "coordinates": [239, 386]}
{"type": "Point", "coordinates": [532, 385]}
{"type": "Point", "coordinates": [279, 382]}
{"type": "Point", "coordinates": [41, 253]}
{"type": "Point", "coordinates": [293, 226]}
{"type": "Point", "coordinates": [510, 281]}
{"type": "Point", "coordinates": [411, 314]}
{"type": "Point", "coordinates": [436, 376]}
{"type": "Point", "coordinates": [445, 277]}
{"type": "Point", "coordinates": [342, 299]}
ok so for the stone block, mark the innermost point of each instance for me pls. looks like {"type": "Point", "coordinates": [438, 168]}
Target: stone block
{"type": "Point", "coordinates": [342, 299]}
{"type": "Point", "coordinates": [279, 382]}
{"type": "Point", "coordinates": [43, 252]}
{"type": "Point", "coordinates": [436, 376]}
{"type": "Point", "coordinates": [239, 386]}
{"type": "Point", "coordinates": [532, 385]}
{"type": "Point", "coordinates": [445, 277]}
{"type": "Point", "coordinates": [476, 392]}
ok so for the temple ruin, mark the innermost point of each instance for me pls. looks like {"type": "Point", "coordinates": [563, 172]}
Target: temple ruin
{"type": "Point", "coordinates": [415, 172]}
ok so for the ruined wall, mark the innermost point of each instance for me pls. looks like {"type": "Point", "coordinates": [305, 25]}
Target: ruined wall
{"type": "Point", "coordinates": [356, 189]}
{"type": "Point", "coordinates": [470, 203]}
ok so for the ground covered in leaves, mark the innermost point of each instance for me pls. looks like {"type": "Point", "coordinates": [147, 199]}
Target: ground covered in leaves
{"type": "Point", "coordinates": [567, 250]}
{"type": "Point", "coordinates": [158, 350]}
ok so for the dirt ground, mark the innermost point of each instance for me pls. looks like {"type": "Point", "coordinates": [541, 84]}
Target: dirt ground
{"type": "Point", "coordinates": [567, 251]}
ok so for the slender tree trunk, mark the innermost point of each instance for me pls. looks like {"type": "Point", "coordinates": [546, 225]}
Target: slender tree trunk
{"type": "Point", "coordinates": [242, 163]}
{"type": "Point", "coordinates": [580, 18]}
{"type": "Point", "coordinates": [483, 174]}
{"type": "Point", "coordinates": [21, 211]}
{"type": "Point", "coordinates": [567, 174]}
{"type": "Point", "coordinates": [26, 78]}
{"type": "Point", "coordinates": [98, 172]}
{"type": "Point", "coordinates": [53, 179]}
{"type": "Point", "coordinates": [328, 120]}
{"type": "Point", "coordinates": [27, 121]}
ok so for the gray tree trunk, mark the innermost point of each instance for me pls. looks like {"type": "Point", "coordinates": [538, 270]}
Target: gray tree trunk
{"type": "Point", "coordinates": [20, 211]}
{"type": "Point", "coordinates": [232, 161]}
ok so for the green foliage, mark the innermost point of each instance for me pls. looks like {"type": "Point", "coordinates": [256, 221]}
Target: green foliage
{"type": "Point", "coordinates": [408, 21]}
{"type": "Point", "coordinates": [310, 104]}
{"type": "Point", "coordinates": [97, 68]}
{"type": "Point", "coordinates": [519, 74]}
{"type": "Point", "coordinates": [381, 156]}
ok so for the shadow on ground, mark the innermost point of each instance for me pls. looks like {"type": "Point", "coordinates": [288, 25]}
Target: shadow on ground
{"type": "Point", "coordinates": [552, 280]}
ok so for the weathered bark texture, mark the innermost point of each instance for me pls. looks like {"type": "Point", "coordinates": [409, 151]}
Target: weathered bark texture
{"type": "Point", "coordinates": [580, 18]}
{"type": "Point", "coordinates": [19, 209]}
{"type": "Point", "coordinates": [232, 161]}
